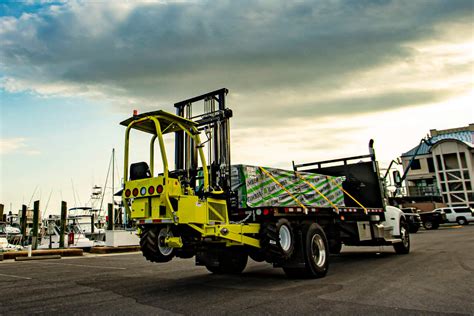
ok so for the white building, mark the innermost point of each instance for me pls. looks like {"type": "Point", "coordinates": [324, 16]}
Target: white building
{"type": "Point", "coordinates": [443, 166]}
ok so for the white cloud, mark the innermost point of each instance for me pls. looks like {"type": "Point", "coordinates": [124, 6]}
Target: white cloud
{"type": "Point", "coordinates": [16, 145]}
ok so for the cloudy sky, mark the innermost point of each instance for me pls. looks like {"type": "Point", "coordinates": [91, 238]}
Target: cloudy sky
{"type": "Point", "coordinates": [308, 80]}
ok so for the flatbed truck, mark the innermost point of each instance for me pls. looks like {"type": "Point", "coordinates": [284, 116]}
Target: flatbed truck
{"type": "Point", "coordinates": [192, 209]}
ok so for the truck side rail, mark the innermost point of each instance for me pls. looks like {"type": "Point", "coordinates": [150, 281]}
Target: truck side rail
{"type": "Point", "coordinates": [319, 164]}
{"type": "Point", "coordinates": [362, 183]}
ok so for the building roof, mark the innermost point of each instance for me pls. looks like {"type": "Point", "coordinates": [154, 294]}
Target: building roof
{"type": "Point", "coordinates": [466, 137]}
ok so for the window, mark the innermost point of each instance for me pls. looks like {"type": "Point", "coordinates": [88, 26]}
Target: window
{"type": "Point", "coordinates": [455, 186]}
{"type": "Point", "coordinates": [445, 198]}
{"type": "Point", "coordinates": [458, 197]}
{"type": "Point", "coordinates": [443, 187]}
{"type": "Point", "coordinates": [454, 175]}
{"type": "Point", "coordinates": [463, 160]}
{"type": "Point", "coordinates": [447, 210]}
{"type": "Point", "coordinates": [462, 210]}
{"type": "Point", "coordinates": [431, 167]}
{"type": "Point", "coordinates": [451, 161]}
{"type": "Point", "coordinates": [468, 185]}
{"type": "Point", "coordinates": [438, 161]}
{"type": "Point", "coordinates": [415, 165]}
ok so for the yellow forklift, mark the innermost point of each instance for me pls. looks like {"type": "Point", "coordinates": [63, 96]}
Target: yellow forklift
{"type": "Point", "coordinates": [194, 210]}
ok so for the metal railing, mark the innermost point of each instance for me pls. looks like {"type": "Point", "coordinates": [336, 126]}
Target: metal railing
{"type": "Point", "coordinates": [423, 191]}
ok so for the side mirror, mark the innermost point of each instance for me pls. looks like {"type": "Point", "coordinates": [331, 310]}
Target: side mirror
{"type": "Point", "coordinates": [396, 178]}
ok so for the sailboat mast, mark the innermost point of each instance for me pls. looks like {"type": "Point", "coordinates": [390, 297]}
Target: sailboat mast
{"type": "Point", "coordinates": [113, 188]}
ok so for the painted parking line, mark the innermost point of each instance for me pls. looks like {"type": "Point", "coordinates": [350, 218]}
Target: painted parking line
{"type": "Point", "coordinates": [80, 265]}
{"type": "Point", "coordinates": [15, 276]}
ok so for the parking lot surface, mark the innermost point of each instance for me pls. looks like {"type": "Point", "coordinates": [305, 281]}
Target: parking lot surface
{"type": "Point", "coordinates": [436, 278]}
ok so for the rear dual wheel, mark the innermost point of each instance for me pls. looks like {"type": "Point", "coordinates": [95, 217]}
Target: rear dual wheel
{"type": "Point", "coordinates": [315, 253]}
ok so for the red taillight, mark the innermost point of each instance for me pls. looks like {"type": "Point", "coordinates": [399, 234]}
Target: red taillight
{"type": "Point", "coordinates": [159, 189]}
{"type": "Point", "coordinates": [127, 193]}
{"type": "Point", "coordinates": [135, 192]}
{"type": "Point", "coordinates": [151, 190]}
{"type": "Point", "coordinates": [266, 211]}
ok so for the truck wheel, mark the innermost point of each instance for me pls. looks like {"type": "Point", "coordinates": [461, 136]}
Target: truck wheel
{"type": "Point", "coordinates": [462, 221]}
{"type": "Point", "coordinates": [403, 247]}
{"type": "Point", "coordinates": [231, 261]}
{"type": "Point", "coordinates": [316, 254]}
{"type": "Point", "coordinates": [286, 238]}
{"type": "Point", "coordinates": [152, 244]}
{"type": "Point", "coordinates": [278, 240]}
{"type": "Point", "coordinates": [316, 251]}
{"type": "Point", "coordinates": [428, 225]}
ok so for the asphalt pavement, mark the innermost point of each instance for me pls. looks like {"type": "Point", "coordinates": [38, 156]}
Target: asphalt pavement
{"type": "Point", "coordinates": [436, 278]}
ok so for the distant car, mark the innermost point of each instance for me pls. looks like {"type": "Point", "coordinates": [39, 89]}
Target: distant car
{"type": "Point", "coordinates": [432, 220]}
{"type": "Point", "coordinates": [413, 219]}
{"type": "Point", "coordinates": [458, 214]}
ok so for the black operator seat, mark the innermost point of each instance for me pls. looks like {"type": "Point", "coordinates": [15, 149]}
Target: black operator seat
{"type": "Point", "coordinates": [139, 170]}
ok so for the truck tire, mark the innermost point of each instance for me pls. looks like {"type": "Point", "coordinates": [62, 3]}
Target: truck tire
{"type": "Point", "coordinates": [277, 240]}
{"type": "Point", "coordinates": [230, 261]}
{"type": "Point", "coordinates": [462, 221]}
{"type": "Point", "coordinates": [151, 244]}
{"type": "Point", "coordinates": [428, 225]}
{"type": "Point", "coordinates": [316, 254]}
{"type": "Point", "coordinates": [403, 247]}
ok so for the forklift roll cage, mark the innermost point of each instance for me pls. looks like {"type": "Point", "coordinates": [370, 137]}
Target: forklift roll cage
{"type": "Point", "coordinates": [159, 123]}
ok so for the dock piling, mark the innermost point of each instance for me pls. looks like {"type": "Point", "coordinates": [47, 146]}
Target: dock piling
{"type": "Point", "coordinates": [62, 230]}
{"type": "Point", "coordinates": [110, 217]}
{"type": "Point", "coordinates": [23, 223]}
{"type": "Point", "coordinates": [34, 241]}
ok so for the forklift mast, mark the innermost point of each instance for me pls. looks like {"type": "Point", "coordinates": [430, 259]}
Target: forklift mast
{"type": "Point", "coordinates": [213, 121]}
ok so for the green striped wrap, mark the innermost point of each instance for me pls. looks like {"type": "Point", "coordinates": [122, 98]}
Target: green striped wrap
{"type": "Point", "coordinates": [256, 189]}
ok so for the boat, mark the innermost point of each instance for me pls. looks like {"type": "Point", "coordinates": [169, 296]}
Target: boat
{"type": "Point", "coordinates": [88, 221]}
{"type": "Point", "coordinates": [73, 237]}
{"type": "Point", "coordinates": [10, 237]}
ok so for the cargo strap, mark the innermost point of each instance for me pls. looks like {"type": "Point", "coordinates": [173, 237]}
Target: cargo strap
{"type": "Point", "coordinates": [317, 191]}
{"type": "Point", "coordinates": [347, 193]}
{"type": "Point", "coordinates": [286, 190]}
